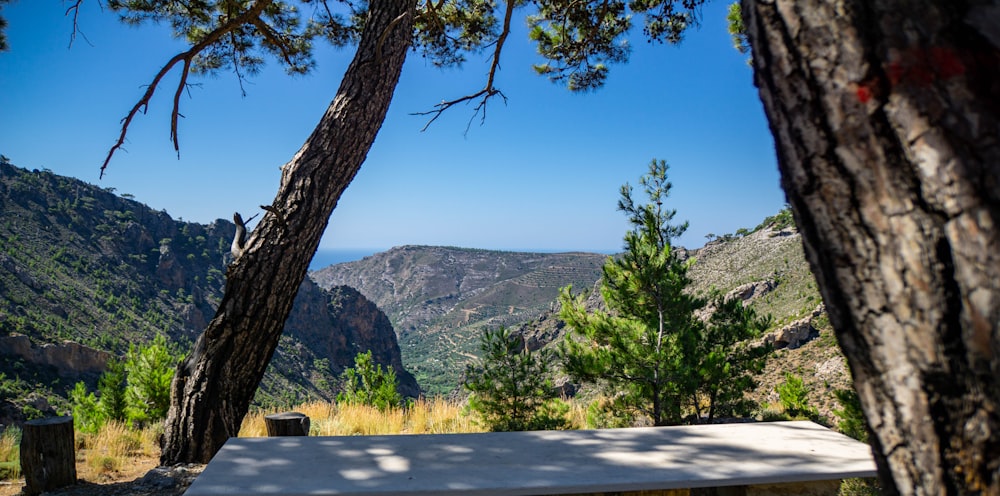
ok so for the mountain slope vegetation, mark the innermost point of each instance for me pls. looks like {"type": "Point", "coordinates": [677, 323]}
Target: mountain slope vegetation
{"type": "Point", "coordinates": [440, 299]}
{"type": "Point", "coordinates": [79, 263]}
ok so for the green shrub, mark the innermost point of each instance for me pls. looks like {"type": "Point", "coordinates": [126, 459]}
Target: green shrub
{"type": "Point", "coordinates": [88, 416]}
{"type": "Point", "coordinates": [367, 384]}
{"type": "Point", "coordinates": [149, 370]}
{"type": "Point", "coordinates": [510, 386]}
{"type": "Point", "coordinates": [793, 395]}
{"type": "Point", "coordinates": [601, 414]}
{"type": "Point", "coordinates": [852, 419]}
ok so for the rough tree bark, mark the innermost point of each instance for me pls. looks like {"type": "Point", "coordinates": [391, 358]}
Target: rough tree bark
{"type": "Point", "coordinates": [214, 386]}
{"type": "Point", "coordinates": [885, 117]}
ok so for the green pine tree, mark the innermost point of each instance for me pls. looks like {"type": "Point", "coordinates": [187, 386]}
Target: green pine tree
{"type": "Point", "coordinates": [641, 350]}
{"type": "Point", "coordinates": [150, 369]}
{"type": "Point", "coordinates": [368, 384]}
{"type": "Point", "coordinates": [728, 360]}
{"type": "Point", "coordinates": [112, 387]}
{"type": "Point", "coordinates": [510, 386]}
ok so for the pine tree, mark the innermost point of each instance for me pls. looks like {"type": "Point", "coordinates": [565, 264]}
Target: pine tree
{"type": "Point", "coordinates": [368, 384]}
{"type": "Point", "coordinates": [728, 360]}
{"type": "Point", "coordinates": [149, 369]}
{"type": "Point", "coordinates": [642, 350]}
{"type": "Point", "coordinates": [510, 386]}
{"type": "Point", "coordinates": [112, 387]}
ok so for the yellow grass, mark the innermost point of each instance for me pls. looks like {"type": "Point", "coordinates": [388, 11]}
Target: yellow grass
{"type": "Point", "coordinates": [10, 454]}
{"type": "Point", "coordinates": [116, 449]}
{"type": "Point", "coordinates": [434, 416]}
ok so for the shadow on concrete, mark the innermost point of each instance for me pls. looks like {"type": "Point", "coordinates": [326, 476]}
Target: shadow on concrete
{"type": "Point", "coordinates": [543, 462]}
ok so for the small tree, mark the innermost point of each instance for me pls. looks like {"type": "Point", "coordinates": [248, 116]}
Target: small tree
{"type": "Point", "coordinates": [88, 416]}
{"type": "Point", "coordinates": [510, 386]}
{"type": "Point", "coordinates": [149, 370]}
{"type": "Point", "coordinates": [112, 388]}
{"type": "Point", "coordinates": [367, 384]}
{"type": "Point", "coordinates": [642, 349]}
{"type": "Point", "coordinates": [727, 360]}
{"type": "Point", "coordinates": [135, 390]}
{"type": "Point", "coordinates": [794, 397]}
{"type": "Point", "coordinates": [852, 418]}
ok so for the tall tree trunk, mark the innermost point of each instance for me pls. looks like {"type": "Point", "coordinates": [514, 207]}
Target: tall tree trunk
{"type": "Point", "coordinates": [885, 117]}
{"type": "Point", "coordinates": [213, 388]}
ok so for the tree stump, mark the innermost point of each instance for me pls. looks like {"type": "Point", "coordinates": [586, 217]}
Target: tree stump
{"type": "Point", "coordinates": [48, 459]}
{"type": "Point", "coordinates": [287, 424]}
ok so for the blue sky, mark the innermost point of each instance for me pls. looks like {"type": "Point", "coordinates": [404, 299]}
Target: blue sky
{"type": "Point", "coordinates": [542, 173]}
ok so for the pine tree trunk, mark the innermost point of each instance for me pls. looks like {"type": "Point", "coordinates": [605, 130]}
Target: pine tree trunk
{"type": "Point", "coordinates": [214, 386]}
{"type": "Point", "coordinates": [885, 117]}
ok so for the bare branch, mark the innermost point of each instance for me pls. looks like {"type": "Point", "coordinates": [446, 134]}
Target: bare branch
{"type": "Point", "coordinates": [187, 57]}
{"type": "Point", "coordinates": [177, 103]}
{"type": "Point", "coordinates": [75, 8]}
{"type": "Point", "coordinates": [236, 65]}
{"type": "Point", "coordinates": [489, 90]}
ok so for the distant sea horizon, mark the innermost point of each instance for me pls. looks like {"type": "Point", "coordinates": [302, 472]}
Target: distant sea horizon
{"type": "Point", "coordinates": [326, 257]}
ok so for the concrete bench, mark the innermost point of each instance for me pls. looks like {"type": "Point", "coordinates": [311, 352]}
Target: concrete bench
{"type": "Point", "coordinates": [739, 459]}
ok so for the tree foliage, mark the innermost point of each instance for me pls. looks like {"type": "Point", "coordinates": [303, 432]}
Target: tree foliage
{"type": "Point", "coordinates": [510, 385]}
{"type": "Point", "coordinates": [149, 370]}
{"type": "Point", "coordinates": [112, 387]}
{"type": "Point", "coordinates": [728, 359]}
{"type": "Point", "coordinates": [652, 352]}
{"type": "Point", "coordinates": [3, 26]}
{"type": "Point", "coordinates": [579, 40]}
{"type": "Point", "coordinates": [641, 349]}
{"type": "Point", "coordinates": [368, 384]}
{"type": "Point", "coordinates": [852, 418]}
{"type": "Point", "coordinates": [737, 30]}
{"type": "Point", "coordinates": [794, 397]}
{"type": "Point", "coordinates": [135, 390]}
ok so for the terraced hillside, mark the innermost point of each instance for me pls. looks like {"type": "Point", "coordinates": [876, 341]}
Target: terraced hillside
{"type": "Point", "coordinates": [439, 298]}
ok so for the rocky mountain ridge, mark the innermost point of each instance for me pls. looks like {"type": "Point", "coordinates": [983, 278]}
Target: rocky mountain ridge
{"type": "Point", "coordinates": [440, 298]}
{"type": "Point", "coordinates": [85, 273]}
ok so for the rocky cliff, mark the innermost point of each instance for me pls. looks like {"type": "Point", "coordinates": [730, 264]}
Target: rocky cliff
{"type": "Point", "coordinates": [83, 265]}
{"type": "Point", "coordinates": [440, 298]}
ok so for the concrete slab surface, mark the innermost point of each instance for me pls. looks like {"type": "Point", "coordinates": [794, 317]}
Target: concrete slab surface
{"type": "Point", "coordinates": [542, 462]}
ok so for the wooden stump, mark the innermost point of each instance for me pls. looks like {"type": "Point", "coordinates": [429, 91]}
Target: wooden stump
{"type": "Point", "coordinates": [287, 424]}
{"type": "Point", "coordinates": [48, 460]}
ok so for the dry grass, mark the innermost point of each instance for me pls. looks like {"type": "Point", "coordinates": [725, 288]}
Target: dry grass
{"type": "Point", "coordinates": [435, 416]}
{"type": "Point", "coordinates": [116, 453]}
{"type": "Point", "coordinates": [10, 454]}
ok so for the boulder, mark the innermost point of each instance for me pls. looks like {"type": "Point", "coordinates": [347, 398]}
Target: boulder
{"type": "Point", "coordinates": [792, 335]}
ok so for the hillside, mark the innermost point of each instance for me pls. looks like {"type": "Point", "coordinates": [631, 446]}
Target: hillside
{"type": "Point", "coordinates": [439, 298]}
{"type": "Point", "coordinates": [85, 272]}
{"type": "Point", "coordinates": [767, 268]}
{"type": "Point", "coordinates": [82, 265]}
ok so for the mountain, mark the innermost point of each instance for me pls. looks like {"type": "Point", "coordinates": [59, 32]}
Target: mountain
{"type": "Point", "coordinates": [765, 267]}
{"type": "Point", "coordinates": [440, 298]}
{"type": "Point", "coordinates": [85, 273]}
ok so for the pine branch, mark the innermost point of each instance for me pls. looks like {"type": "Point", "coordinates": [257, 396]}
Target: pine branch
{"type": "Point", "coordinates": [274, 38]}
{"type": "Point", "coordinates": [187, 57]}
{"type": "Point", "coordinates": [489, 91]}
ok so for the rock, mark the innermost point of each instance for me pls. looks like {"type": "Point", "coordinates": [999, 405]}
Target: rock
{"type": "Point", "coordinates": [752, 290]}
{"type": "Point", "coordinates": [792, 335]}
{"type": "Point", "coordinates": [68, 358]}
